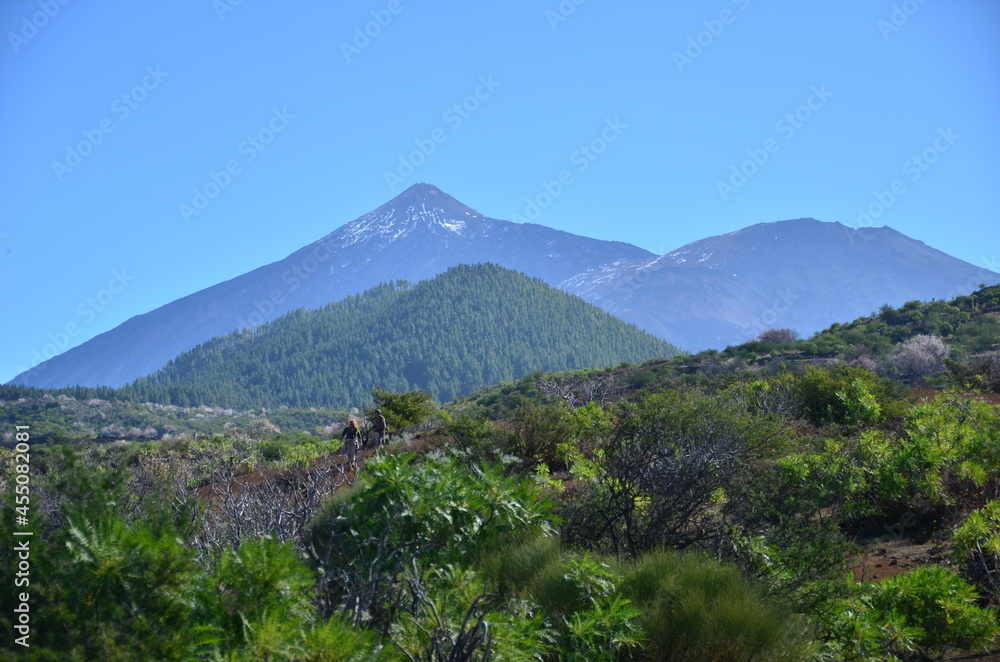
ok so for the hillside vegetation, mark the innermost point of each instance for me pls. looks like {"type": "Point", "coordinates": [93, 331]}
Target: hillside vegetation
{"type": "Point", "coordinates": [450, 335]}
{"type": "Point", "coordinates": [738, 506]}
{"type": "Point", "coordinates": [968, 325]}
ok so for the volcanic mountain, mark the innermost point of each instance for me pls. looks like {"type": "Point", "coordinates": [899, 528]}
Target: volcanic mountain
{"type": "Point", "coordinates": [803, 274]}
{"type": "Point", "coordinates": [416, 235]}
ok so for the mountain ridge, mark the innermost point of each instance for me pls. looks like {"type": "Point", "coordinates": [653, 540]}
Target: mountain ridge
{"type": "Point", "coordinates": [710, 293]}
{"type": "Point", "coordinates": [802, 273]}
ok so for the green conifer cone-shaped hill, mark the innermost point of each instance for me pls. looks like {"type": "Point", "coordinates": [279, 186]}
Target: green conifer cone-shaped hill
{"type": "Point", "coordinates": [469, 327]}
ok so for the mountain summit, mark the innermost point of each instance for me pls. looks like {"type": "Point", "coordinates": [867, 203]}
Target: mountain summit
{"type": "Point", "coordinates": [415, 236]}
{"type": "Point", "coordinates": [421, 207]}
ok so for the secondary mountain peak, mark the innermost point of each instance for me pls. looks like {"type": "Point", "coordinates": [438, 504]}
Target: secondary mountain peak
{"type": "Point", "coordinates": [803, 274]}
{"type": "Point", "coordinates": [498, 324]}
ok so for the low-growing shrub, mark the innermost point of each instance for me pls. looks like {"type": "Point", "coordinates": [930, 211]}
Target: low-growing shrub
{"type": "Point", "coordinates": [578, 597]}
{"type": "Point", "coordinates": [932, 610]}
{"type": "Point", "coordinates": [846, 395]}
{"type": "Point", "coordinates": [693, 610]}
{"type": "Point", "coordinates": [977, 548]}
{"type": "Point", "coordinates": [435, 511]}
{"type": "Point", "coordinates": [909, 617]}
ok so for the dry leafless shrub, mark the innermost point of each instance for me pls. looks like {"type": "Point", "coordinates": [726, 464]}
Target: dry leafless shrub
{"type": "Point", "coordinates": [245, 504]}
{"type": "Point", "coordinates": [601, 390]}
{"type": "Point", "coordinates": [920, 356]}
{"type": "Point", "coordinates": [778, 336]}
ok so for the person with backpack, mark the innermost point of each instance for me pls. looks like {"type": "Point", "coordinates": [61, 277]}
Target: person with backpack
{"type": "Point", "coordinates": [379, 428]}
{"type": "Point", "coordinates": [351, 437]}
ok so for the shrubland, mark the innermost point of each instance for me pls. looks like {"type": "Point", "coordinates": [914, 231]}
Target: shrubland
{"type": "Point", "coordinates": [712, 507]}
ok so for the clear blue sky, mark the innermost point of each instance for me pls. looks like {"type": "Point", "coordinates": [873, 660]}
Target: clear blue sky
{"type": "Point", "coordinates": [115, 112]}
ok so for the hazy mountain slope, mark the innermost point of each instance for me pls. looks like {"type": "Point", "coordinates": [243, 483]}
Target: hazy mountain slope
{"type": "Point", "coordinates": [803, 274]}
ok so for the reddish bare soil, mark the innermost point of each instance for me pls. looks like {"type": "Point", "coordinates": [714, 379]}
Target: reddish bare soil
{"type": "Point", "coordinates": [255, 478]}
{"type": "Point", "coordinates": [889, 558]}
{"type": "Point", "coordinates": [927, 394]}
{"type": "Point", "coordinates": [992, 656]}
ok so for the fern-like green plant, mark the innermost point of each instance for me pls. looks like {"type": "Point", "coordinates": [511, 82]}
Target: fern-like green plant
{"type": "Point", "coordinates": [977, 548]}
{"type": "Point", "coordinates": [257, 591]}
{"type": "Point", "coordinates": [129, 589]}
{"type": "Point", "coordinates": [936, 609]}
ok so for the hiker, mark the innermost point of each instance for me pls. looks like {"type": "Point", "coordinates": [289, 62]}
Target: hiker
{"type": "Point", "coordinates": [351, 435]}
{"type": "Point", "coordinates": [379, 428]}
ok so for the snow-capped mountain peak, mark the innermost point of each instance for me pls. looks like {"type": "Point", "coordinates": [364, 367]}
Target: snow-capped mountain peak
{"type": "Point", "coordinates": [422, 207]}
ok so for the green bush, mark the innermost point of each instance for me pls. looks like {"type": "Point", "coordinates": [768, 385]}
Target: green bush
{"type": "Point", "coordinates": [271, 450]}
{"type": "Point", "coordinates": [538, 430]}
{"type": "Point", "coordinates": [603, 626]}
{"type": "Point", "coordinates": [432, 512]}
{"type": "Point", "coordinates": [693, 609]}
{"type": "Point", "coordinates": [337, 641]}
{"type": "Point", "coordinates": [475, 435]}
{"type": "Point", "coordinates": [967, 431]}
{"type": "Point", "coordinates": [914, 616]}
{"type": "Point", "coordinates": [247, 588]}
{"type": "Point", "coordinates": [578, 597]}
{"type": "Point", "coordinates": [934, 610]}
{"type": "Point", "coordinates": [404, 410]}
{"type": "Point", "coordinates": [846, 395]}
{"type": "Point", "coordinates": [947, 456]}
{"type": "Point", "coordinates": [111, 591]}
{"type": "Point", "coordinates": [513, 566]}
{"type": "Point", "coordinates": [977, 548]}
{"type": "Point", "coordinates": [452, 617]}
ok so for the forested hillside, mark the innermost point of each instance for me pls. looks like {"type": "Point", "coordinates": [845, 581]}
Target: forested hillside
{"type": "Point", "coordinates": [467, 328]}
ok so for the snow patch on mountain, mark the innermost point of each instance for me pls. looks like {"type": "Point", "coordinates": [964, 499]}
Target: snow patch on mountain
{"type": "Point", "coordinates": [374, 224]}
{"type": "Point", "coordinates": [385, 225]}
